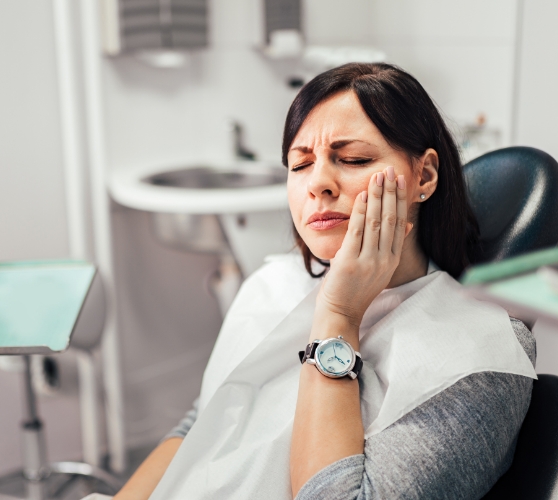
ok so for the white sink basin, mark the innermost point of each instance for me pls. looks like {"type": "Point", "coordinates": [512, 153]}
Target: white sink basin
{"type": "Point", "coordinates": [225, 208]}
{"type": "Point", "coordinates": [221, 188]}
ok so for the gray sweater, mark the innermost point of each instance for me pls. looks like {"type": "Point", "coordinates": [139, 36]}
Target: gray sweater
{"type": "Point", "coordinates": [454, 446]}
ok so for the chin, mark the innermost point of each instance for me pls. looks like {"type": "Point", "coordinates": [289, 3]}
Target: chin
{"type": "Point", "coordinates": [325, 248]}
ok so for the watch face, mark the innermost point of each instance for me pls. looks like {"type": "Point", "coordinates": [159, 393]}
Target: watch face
{"type": "Point", "coordinates": [334, 357]}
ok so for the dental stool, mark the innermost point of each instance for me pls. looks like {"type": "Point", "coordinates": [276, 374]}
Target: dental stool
{"type": "Point", "coordinates": [45, 307]}
{"type": "Point", "coordinates": [514, 194]}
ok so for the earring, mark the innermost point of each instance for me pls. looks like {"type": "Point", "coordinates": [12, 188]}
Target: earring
{"type": "Point", "coordinates": [423, 196]}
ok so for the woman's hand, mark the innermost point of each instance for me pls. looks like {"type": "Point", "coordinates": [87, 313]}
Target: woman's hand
{"type": "Point", "coordinates": [371, 249]}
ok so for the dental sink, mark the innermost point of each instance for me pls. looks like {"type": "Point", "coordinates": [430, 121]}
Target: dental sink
{"type": "Point", "coordinates": [223, 208]}
{"type": "Point", "coordinates": [203, 188]}
{"type": "Point", "coordinates": [207, 177]}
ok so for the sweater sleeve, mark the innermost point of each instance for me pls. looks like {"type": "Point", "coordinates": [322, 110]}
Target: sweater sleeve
{"type": "Point", "coordinates": [454, 446]}
{"type": "Point", "coordinates": [185, 424]}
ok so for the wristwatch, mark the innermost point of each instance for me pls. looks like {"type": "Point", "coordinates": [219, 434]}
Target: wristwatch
{"type": "Point", "coordinates": [333, 357]}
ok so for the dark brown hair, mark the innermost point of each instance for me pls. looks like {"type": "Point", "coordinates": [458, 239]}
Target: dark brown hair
{"type": "Point", "coordinates": [409, 120]}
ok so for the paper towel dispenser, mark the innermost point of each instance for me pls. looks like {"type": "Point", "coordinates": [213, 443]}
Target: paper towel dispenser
{"type": "Point", "coordinates": [282, 15]}
{"type": "Point", "coordinates": [283, 30]}
{"type": "Point", "coordinates": [142, 25]}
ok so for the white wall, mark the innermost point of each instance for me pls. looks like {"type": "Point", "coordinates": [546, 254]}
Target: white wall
{"type": "Point", "coordinates": [538, 100]}
{"type": "Point", "coordinates": [33, 221]}
{"type": "Point", "coordinates": [32, 201]}
{"type": "Point", "coordinates": [462, 52]}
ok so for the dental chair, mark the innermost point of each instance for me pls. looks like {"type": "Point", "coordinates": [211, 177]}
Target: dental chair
{"type": "Point", "coordinates": [514, 194]}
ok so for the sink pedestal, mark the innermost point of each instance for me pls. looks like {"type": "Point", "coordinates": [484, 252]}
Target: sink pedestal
{"type": "Point", "coordinates": [240, 240]}
{"type": "Point", "coordinates": [225, 282]}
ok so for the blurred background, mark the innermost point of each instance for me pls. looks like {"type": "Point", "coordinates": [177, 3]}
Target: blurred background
{"type": "Point", "coordinates": [104, 105]}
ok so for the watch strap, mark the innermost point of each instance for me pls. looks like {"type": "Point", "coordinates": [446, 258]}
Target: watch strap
{"type": "Point", "coordinates": [358, 364]}
{"type": "Point", "coordinates": [309, 352]}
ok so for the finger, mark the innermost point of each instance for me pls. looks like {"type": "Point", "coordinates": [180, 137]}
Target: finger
{"type": "Point", "coordinates": [371, 238]}
{"type": "Point", "coordinates": [401, 221]}
{"type": "Point", "coordinates": [353, 238]}
{"type": "Point", "coordinates": [389, 211]}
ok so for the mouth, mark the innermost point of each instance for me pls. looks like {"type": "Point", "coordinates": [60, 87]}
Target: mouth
{"type": "Point", "coordinates": [326, 220]}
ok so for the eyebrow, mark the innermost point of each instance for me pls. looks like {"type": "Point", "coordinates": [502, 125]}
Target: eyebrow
{"type": "Point", "coordinates": [342, 143]}
{"type": "Point", "coordinates": [302, 149]}
{"type": "Point", "coordinates": [334, 145]}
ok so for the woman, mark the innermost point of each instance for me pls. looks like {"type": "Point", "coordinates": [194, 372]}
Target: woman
{"type": "Point", "coordinates": [378, 200]}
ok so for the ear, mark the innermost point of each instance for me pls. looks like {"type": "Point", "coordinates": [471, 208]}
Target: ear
{"type": "Point", "coordinates": [427, 169]}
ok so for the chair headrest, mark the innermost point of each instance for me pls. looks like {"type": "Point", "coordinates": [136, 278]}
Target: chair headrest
{"type": "Point", "coordinates": [514, 194]}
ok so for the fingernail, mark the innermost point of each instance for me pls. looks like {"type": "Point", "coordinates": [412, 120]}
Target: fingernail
{"type": "Point", "coordinates": [380, 179]}
{"type": "Point", "coordinates": [401, 181]}
{"type": "Point", "coordinates": [390, 174]}
{"type": "Point", "coordinates": [364, 196]}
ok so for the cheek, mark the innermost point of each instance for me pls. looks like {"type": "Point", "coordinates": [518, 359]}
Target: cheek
{"type": "Point", "coordinates": [355, 184]}
{"type": "Point", "coordinates": [413, 188]}
{"type": "Point", "coordinates": [295, 197]}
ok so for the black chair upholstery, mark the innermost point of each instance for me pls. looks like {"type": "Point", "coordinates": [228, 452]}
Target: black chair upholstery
{"type": "Point", "coordinates": [514, 194]}
{"type": "Point", "coordinates": [533, 474]}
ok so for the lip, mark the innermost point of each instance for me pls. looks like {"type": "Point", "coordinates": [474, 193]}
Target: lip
{"type": "Point", "coordinates": [321, 221]}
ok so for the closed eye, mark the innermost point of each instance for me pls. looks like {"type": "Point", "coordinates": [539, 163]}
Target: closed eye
{"type": "Point", "coordinates": [300, 167]}
{"type": "Point", "coordinates": [355, 161]}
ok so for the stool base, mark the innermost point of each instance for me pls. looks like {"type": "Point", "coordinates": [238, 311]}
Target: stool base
{"type": "Point", "coordinates": [66, 481]}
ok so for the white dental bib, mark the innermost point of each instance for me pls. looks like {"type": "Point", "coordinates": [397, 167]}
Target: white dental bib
{"type": "Point", "coordinates": [416, 340]}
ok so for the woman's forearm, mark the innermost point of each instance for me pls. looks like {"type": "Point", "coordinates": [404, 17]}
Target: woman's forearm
{"type": "Point", "coordinates": [145, 479]}
{"type": "Point", "coordinates": [328, 423]}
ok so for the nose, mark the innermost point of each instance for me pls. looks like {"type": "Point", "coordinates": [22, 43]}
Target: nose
{"type": "Point", "coordinates": [322, 181]}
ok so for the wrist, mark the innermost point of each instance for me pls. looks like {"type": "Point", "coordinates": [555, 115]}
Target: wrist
{"type": "Point", "coordinates": [327, 324]}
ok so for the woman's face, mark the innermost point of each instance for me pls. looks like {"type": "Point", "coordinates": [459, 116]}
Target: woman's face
{"type": "Point", "coordinates": [331, 160]}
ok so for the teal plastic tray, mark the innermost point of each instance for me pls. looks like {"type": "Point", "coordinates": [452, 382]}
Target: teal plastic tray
{"type": "Point", "coordinates": [40, 303]}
